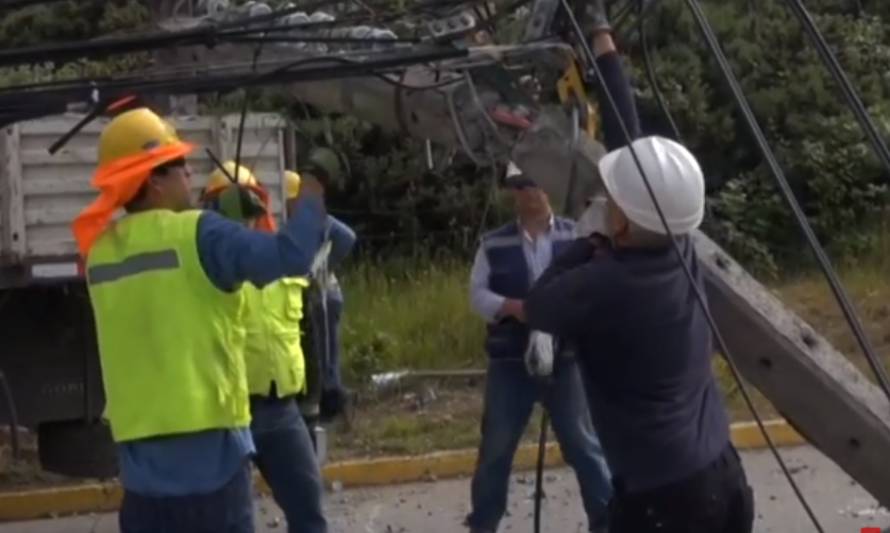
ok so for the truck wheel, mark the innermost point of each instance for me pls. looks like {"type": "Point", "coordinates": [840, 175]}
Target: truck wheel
{"type": "Point", "coordinates": [77, 448]}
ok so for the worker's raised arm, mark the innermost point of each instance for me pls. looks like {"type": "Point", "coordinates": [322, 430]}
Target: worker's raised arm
{"type": "Point", "coordinates": [232, 254]}
{"type": "Point", "coordinates": [616, 81]}
{"type": "Point", "coordinates": [569, 293]}
{"type": "Point", "coordinates": [342, 240]}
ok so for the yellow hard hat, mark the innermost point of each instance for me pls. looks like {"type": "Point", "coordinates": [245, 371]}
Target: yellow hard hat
{"type": "Point", "coordinates": [218, 179]}
{"type": "Point", "coordinates": [291, 184]}
{"type": "Point", "coordinates": [135, 132]}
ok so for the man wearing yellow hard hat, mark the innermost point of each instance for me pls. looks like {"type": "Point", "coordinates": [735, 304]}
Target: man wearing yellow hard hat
{"type": "Point", "coordinates": [326, 304]}
{"type": "Point", "coordinates": [275, 364]}
{"type": "Point", "coordinates": [164, 282]}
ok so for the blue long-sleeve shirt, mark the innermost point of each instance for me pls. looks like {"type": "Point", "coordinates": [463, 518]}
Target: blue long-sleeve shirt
{"type": "Point", "coordinates": [342, 241]}
{"type": "Point", "coordinates": [642, 340]}
{"type": "Point", "coordinates": [230, 255]}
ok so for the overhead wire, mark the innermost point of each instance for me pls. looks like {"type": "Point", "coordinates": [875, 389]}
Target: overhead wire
{"type": "Point", "coordinates": [653, 79]}
{"type": "Point", "coordinates": [288, 73]}
{"type": "Point", "coordinates": [243, 117]}
{"type": "Point", "coordinates": [883, 153]}
{"type": "Point", "coordinates": [698, 293]}
{"type": "Point", "coordinates": [837, 71]}
{"type": "Point", "coordinates": [787, 193]}
{"type": "Point", "coordinates": [208, 34]}
{"type": "Point", "coordinates": [19, 4]}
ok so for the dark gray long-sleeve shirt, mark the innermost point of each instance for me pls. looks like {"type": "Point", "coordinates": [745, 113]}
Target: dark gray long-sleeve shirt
{"type": "Point", "coordinates": [642, 340]}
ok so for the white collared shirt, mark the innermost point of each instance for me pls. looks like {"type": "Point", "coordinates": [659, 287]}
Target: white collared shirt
{"type": "Point", "coordinates": [538, 254]}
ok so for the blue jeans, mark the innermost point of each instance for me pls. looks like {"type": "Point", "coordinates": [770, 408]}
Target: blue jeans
{"type": "Point", "coordinates": [286, 458]}
{"type": "Point", "coordinates": [510, 395]}
{"type": "Point", "coordinates": [227, 510]}
{"type": "Point", "coordinates": [332, 378]}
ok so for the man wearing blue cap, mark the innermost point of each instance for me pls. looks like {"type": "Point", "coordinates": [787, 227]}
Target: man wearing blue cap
{"type": "Point", "coordinates": [522, 369]}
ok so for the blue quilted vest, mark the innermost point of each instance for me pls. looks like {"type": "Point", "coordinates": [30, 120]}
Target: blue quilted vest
{"type": "Point", "coordinates": [510, 277]}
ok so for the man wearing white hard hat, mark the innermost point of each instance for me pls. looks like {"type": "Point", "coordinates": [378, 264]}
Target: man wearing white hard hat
{"type": "Point", "coordinates": [624, 302]}
{"type": "Point", "coordinates": [523, 366]}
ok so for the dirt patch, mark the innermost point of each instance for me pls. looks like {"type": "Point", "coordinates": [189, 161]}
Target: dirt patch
{"type": "Point", "coordinates": [426, 417]}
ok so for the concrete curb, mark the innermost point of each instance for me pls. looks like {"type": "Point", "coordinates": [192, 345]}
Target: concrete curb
{"type": "Point", "coordinates": [106, 497]}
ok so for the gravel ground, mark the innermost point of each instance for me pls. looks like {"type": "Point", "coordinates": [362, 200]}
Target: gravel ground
{"type": "Point", "coordinates": [439, 507]}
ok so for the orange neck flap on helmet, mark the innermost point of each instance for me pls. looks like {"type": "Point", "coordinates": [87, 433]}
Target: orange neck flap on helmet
{"type": "Point", "coordinates": [118, 182]}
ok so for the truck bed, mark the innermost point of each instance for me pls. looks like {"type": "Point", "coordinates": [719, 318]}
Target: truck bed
{"type": "Point", "coordinates": [41, 194]}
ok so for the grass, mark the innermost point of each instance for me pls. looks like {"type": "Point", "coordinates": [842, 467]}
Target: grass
{"type": "Point", "coordinates": [415, 314]}
{"type": "Point", "coordinates": [409, 314]}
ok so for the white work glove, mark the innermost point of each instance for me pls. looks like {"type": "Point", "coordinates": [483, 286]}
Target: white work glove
{"type": "Point", "coordinates": [539, 355]}
{"type": "Point", "coordinates": [319, 266]}
{"type": "Point", "coordinates": [593, 219]}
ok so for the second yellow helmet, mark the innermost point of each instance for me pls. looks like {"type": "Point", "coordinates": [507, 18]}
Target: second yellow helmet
{"type": "Point", "coordinates": [291, 184]}
{"type": "Point", "coordinates": [218, 179]}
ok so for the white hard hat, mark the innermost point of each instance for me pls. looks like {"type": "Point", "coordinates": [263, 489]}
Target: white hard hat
{"type": "Point", "coordinates": [676, 179]}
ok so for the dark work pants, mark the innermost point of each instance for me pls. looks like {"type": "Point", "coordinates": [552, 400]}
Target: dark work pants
{"type": "Point", "coordinates": [286, 458]}
{"type": "Point", "coordinates": [227, 510]}
{"type": "Point", "coordinates": [715, 500]}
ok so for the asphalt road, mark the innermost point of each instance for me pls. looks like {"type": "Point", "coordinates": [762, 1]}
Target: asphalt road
{"type": "Point", "coordinates": [841, 505]}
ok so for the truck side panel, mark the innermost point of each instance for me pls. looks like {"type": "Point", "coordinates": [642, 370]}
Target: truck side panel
{"type": "Point", "coordinates": [43, 193]}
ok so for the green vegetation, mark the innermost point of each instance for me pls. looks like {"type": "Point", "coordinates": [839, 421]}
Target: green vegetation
{"type": "Point", "coordinates": [409, 314]}
{"type": "Point", "coordinates": [838, 181]}
{"type": "Point", "coordinates": [404, 314]}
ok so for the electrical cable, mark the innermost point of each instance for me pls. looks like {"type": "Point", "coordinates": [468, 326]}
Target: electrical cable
{"type": "Point", "coordinates": [333, 40]}
{"type": "Point", "coordinates": [837, 288]}
{"type": "Point", "coordinates": [840, 76]}
{"type": "Point", "coordinates": [207, 35]}
{"type": "Point", "coordinates": [19, 95]}
{"type": "Point", "coordinates": [224, 83]}
{"type": "Point", "coordinates": [539, 471]}
{"type": "Point", "coordinates": [243, 118]}
{"type": "Point", "coordinates": [653, 80]}
{"type": "Point", "coordinates": [495, 131]}
{"type": "Point", "coordinates": [18, 4]}
{"type": "Point", "coordinates": [880, 148]}
{"type": "Point", "coordinates": [459, 130]}
{"type": "Point", "coordinates": [698, 293]}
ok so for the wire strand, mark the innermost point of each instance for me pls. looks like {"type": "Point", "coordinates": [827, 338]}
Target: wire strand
{"type": "Point", "coordinates": [653, 80]}
{"type": "Point", "coordinates": [834, 283]}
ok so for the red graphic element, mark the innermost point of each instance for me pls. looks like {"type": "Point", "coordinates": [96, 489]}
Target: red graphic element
{"type": "Point", "coordinates": [870, 530]}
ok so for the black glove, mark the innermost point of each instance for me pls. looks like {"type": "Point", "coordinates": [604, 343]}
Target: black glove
{"type": "Point", "coordinates": [334, 402]}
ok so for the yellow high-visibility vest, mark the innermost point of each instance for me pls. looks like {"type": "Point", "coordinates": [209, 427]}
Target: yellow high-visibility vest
{"type": "Point", "coordinates": [273, 352]}
{"type": "Point", "coordinates": [171, 344]}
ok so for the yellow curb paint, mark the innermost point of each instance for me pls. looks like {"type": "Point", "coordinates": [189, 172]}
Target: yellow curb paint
{"type": "Point", "coordinates": [747, 436]}
{"type": "Point", "coordinates": [439, 465]}
{"type": "Point", "coordinates": [48, 503]}
{"type": "Point", "coordinates": [43, 503]}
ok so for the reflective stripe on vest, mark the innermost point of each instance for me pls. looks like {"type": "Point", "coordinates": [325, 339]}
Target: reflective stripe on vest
{"type": "Point", "coordinates": [171, 344]}
{"type": "Point", "coordinates": [274, 352]}
{"type": "Point", "coordinates": [137, 264]}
